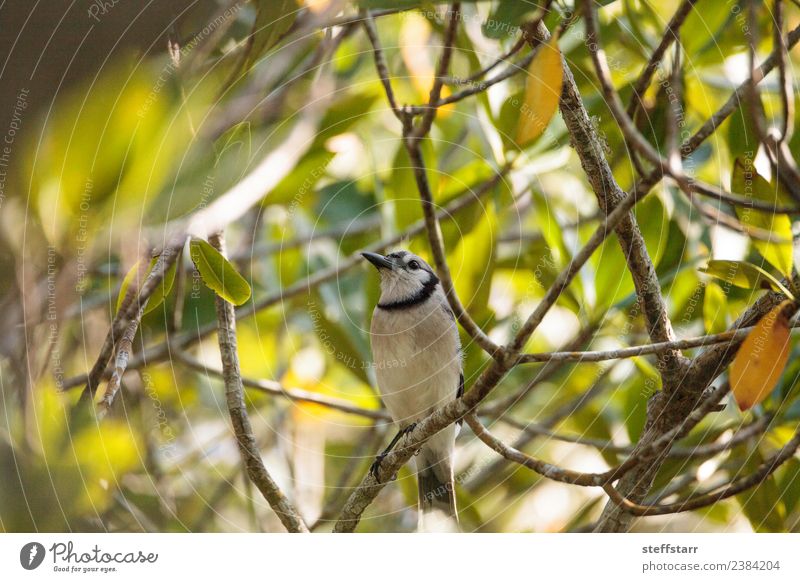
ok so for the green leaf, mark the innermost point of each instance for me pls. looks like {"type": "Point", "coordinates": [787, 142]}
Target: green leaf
{"type": "Point", "coordinates": [338, 336]}
{"type": "Point", "coordinates": [402, 186]}
{"type": "Point", "coordinates": [218, 273]}
{"type": "Point", "coordinates": [715, 304]}
{"type": "Point", "coordinates": [505, 19]}
{"type": "Point", "coordinates": [161, 292]}
{"type": "Point", "coordinates": [472, 263]}
{"type": "Point", "coordinates": [343, 114]}
{"type": "Point", "coordinates": [273, 18]}
{"type": "Point", "coordinates": [762, 504]}
{"type": "Point", "coordinates": [298, 187]}
{"type": "Point", "coordinates": [238, 139]}
{"type": "Point", "coordinates": [742, 136]}
{"type": "Point", "coordinates": [745, 181]}
{"type": "Point", "coordinates": [744, 275]}
{"type": "Point", "coordinates": [700, 30]}
{"type": "Point", "coordinates": [789, 484]}
{"type": "Point", "coordinates": [613, 280]}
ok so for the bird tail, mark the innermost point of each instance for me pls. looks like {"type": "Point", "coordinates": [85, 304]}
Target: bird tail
{"type": "Point", "coordinates": [437, 495]}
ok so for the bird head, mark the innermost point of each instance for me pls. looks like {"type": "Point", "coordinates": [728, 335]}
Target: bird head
{"type": "Point", "coordinates": [405, 278]}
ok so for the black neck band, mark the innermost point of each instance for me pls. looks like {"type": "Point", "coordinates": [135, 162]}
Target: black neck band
{"type": "Point", "coordinates": [419, 297]}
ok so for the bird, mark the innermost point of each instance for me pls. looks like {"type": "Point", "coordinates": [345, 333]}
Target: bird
{"type": "Point", "coordinates": [418, 367]}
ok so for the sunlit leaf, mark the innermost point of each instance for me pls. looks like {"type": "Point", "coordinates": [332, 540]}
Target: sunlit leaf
{"type": "Point", "coordinates": [612, 279]}
{"type": "Point", "coordinates": [761, 505]}
{"type": "Point", "coordinates": [744, 275]}
{"type": "Point", "coordinates": [762, 357]}
{"type": "Point", "coordinates": [161, 292]}
{"type": "Point", "coordinates": [789, 484]}
{"type": "Point", "coordinates": [714, 308]}
{"type": "Point", "coordinates": [745, 181]}
{"type": "Point", "coordinates": [472, 262]}
{"type": "Point", "coordinates": [542, 93]}
{"type": "Point", "coordinates": [218, 273]}
{"type": "Point", "coordinates": [273, 18]}
{"type": "Point", "coordinates": [402, 187]}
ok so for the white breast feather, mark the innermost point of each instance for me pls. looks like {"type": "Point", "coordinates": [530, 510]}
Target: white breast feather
{"type": "Point", "coordinates": [417, 358]}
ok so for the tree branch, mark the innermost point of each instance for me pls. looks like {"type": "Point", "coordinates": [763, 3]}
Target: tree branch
{"type": "Point", "coordinates": [760, 475]}
{"type": "Point", "coordinates": [294, 394]}
{"type": "Point", "coordinates": [234, 396]}
{"type": "Point", "coordinates": [671, 34]}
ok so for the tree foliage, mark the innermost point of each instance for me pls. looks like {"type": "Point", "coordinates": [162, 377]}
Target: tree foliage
{"type": "Point", "coordinates": [607, 190]}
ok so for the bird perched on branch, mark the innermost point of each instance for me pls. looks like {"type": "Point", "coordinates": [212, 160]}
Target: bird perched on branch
{"type": "Point", "coordinates": [417, 360]}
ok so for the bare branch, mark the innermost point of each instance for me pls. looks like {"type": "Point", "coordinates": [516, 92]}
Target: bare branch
{"type": "Point", "coordinates": [758, 476]}
{"type": "Point", "coordinates": [616, 204]}
{"type": "Point", "coordinates": [749, 431]}
{"type": "Point", "coordinates": [735, 335]}
{"type": "Point", "coordinates": [128, 312]}
{"type": "Point", "coordinates": [432, 107]}
{"type": "Point", "coordinates": [671, 34]}
{"type": "Point", "coordinates": [380, 63]}
{"type": "Point", "coordinates": [115, 382]}
{"type": "Point", "coordinates": [542, 468]}
{"type": "Point", "coordinates": [294, 394]}
{"type": "Point", "coordinates": [787, 91]}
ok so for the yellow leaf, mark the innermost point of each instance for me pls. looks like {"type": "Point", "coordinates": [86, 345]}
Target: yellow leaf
{"type": "Point", "coordinates": [417, 53]}
{"type": "Point", "coordinates": [317, 6]}
{"type": "Point", "coordinates": [760, 361]}
{"type": "Point", "coordinates": [542, 92]}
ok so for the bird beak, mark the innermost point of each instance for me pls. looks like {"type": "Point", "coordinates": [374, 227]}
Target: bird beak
{"type": "Point", "coordinates": [379, 261]}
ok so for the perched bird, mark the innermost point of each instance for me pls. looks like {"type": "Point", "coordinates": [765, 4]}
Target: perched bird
{"type": "Point", "coordinates": [417, 360]}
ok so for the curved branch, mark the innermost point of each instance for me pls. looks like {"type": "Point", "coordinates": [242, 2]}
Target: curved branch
{"type": "Point", "coordinates": [744, 434]}
{"type": "Point", "coordinates": [763, 471]}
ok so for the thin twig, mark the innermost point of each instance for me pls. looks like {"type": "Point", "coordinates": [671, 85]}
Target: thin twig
{"type": "Point", "coordinates": [671, 34]}
{"type": "Point", "coordinates": [380, 63]}
{"type": "Point", "coordinates": [439, 257]}
{"type": "Point", "coordinates": [424, 126]}
{"type": "Point", "coordinates": [785, 81]}
{"type": "Point", "coordinates": [631, 352]}
{"type": "Point", "coordinates": [124, 348]}
{"type": "Point", "coordinates": [749, 431]}
{"type": "Point", "coordinates": [294, 394]}
{"type": "Point", "coordinates": [518, 46]}
{"type": "Point", "coordinates": [764, 470]}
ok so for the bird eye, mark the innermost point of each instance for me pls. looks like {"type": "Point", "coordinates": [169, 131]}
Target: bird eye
{"type": "Point", "coordinates": [413, 265]}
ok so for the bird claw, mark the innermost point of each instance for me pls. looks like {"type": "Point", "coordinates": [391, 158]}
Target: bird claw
{"type": "Point", "coordinates": [375, 468]}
